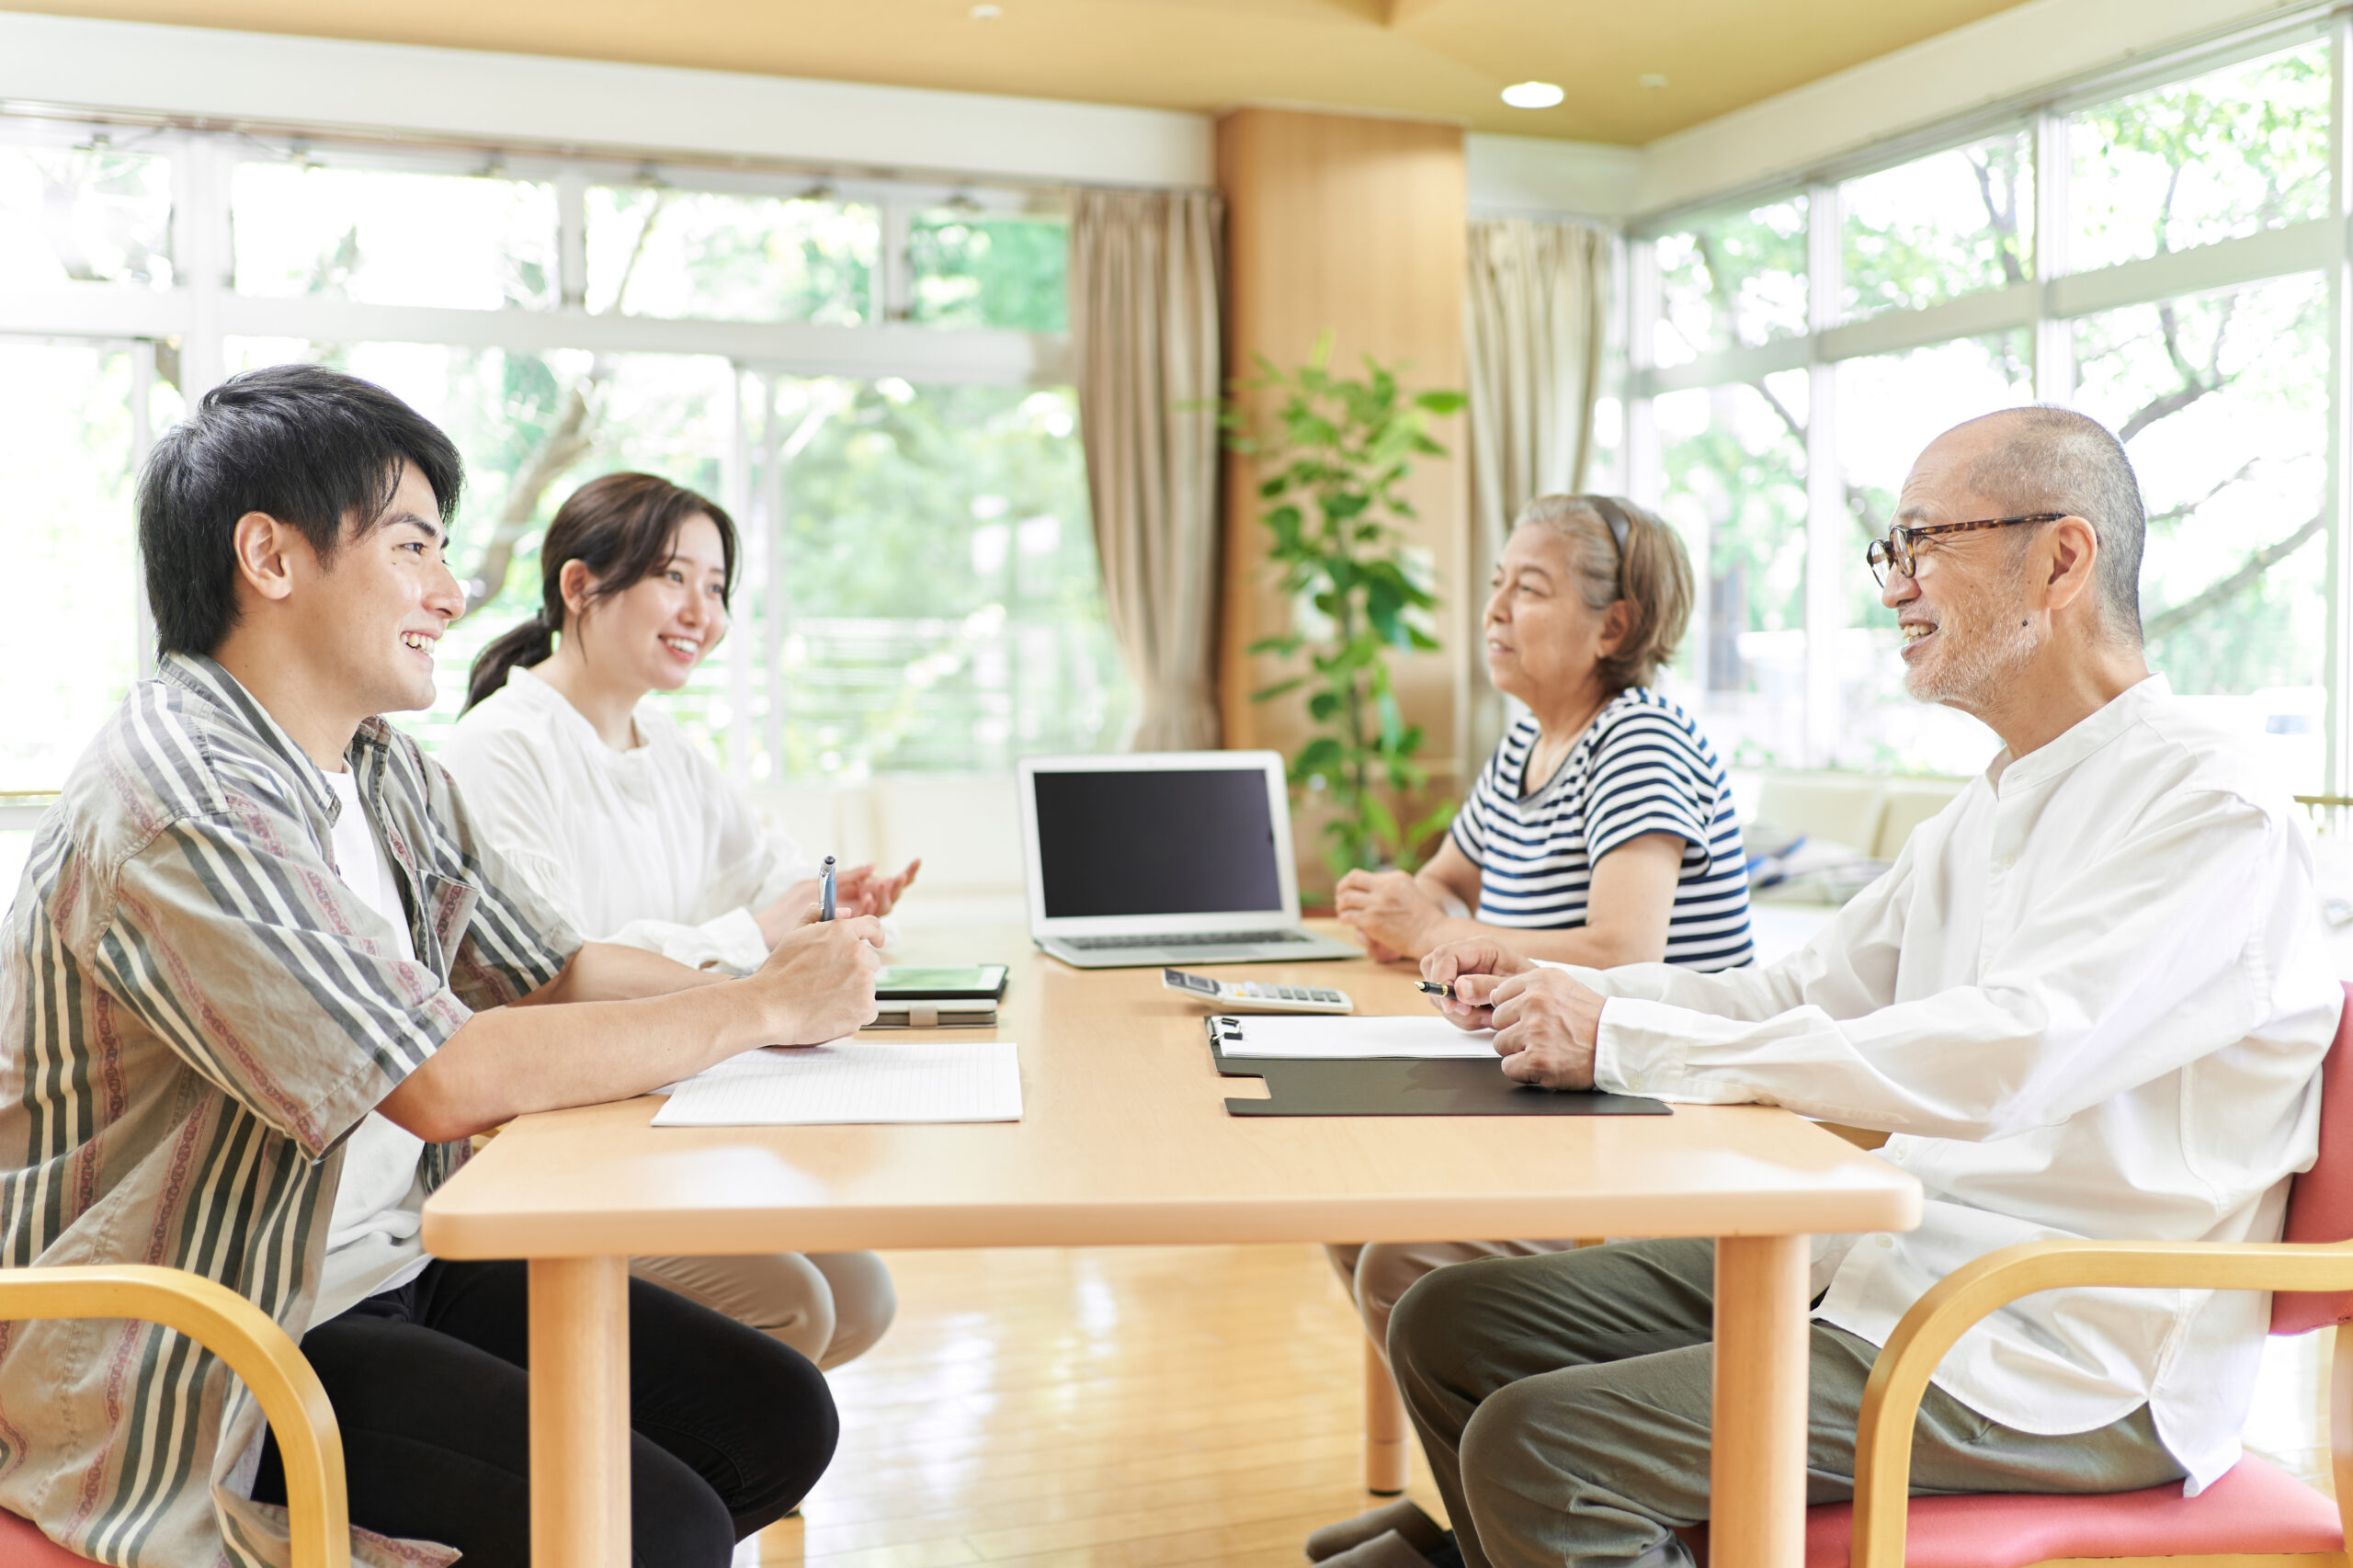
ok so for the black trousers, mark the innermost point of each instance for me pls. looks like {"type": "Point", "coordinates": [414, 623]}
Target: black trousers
{"type": "Point", "coordinates": [730, 1429]}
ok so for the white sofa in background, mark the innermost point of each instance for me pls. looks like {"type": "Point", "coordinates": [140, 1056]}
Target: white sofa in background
{"type": "Point", "coordinates": [1870, 812]}
{"type": "Point", "coordinates": [967, 828]}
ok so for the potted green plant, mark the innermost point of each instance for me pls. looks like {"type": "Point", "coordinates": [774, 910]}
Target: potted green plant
{"type": "Point", "coordinates": [1333, 460]}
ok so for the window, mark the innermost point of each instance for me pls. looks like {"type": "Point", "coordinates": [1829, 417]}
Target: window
{"type": "Point", "coordinates": [385, 237]}
{"type": "Point", "coordinates": [2213, 363]}
{"type": "Point", "coordinates": [973, 268]}
{"type": "Point", "coordinates": [918, 589]}
{"type": "Point", "coordinates": [1736, 281]}
{"type": "Point", "coordinates": [987, 640]}
{"type": "Point", "coordinates": [1735, 462]}
{"type": "Point", "coordinates": [1935, 230]}
{"type": "Point", "coordinates": [2217, 157]}
{"type": "Point", "coordinates": [2223, 403]}
{"type": "Point", "coordinates": [68, 443]}
{"type": "Point", "coordinates": [78, 208]}
{"type": "Point", "coordinates": [658, 252]}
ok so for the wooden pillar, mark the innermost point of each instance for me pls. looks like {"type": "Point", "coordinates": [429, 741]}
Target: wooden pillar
{"type": "Point", "coordinates": [1351, 226]}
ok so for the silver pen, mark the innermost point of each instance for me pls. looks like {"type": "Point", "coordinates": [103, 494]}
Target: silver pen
{"type": "Point", "coordinates": [825, 890]}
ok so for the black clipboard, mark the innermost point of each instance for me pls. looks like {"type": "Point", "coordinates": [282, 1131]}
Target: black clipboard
{"type": "Point", "coordinates": [1421, 1086]}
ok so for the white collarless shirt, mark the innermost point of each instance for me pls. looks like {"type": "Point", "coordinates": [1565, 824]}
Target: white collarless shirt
{"type": "Point", "coordinates": [374, 1231]}
{"type": "Point", "coordinates": [650, 847]}
{"type": "Point", "coordinates": [2089, 1000]}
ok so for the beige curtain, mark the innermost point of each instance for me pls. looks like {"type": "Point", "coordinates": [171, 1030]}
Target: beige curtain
{"type": "Point", "coordinates": [1143, 318]}
{"type": "Point", "coordinates": [1534, 308]}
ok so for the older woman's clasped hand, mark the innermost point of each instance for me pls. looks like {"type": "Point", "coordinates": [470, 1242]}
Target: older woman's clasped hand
{"type": "Point", "coordinates": [1545, 1021]}
{"type": "Point", "coordinates": [1392, 912]}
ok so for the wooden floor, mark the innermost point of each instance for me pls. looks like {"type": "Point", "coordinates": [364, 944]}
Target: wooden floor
{"type": "Point", "coordinates": [1150, 1407]}
{"type": "Point", "coordinates": [1135, 1407]}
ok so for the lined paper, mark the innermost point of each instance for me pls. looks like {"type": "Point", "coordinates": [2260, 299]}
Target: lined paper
{"type": "Point", "coordinates": [848, 1082]}
{"type": "Point", "coordinates": [1415, 1035]}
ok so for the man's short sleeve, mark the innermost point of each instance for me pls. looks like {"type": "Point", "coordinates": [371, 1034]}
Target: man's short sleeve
{"type": "Point", "coordinates": [516, 940]}
{"type": "Point", "coordinates": [240, 947]}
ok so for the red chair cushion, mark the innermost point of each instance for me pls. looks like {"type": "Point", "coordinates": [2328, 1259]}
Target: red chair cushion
{"type": "Point", "coordinates": [23, 1545]}
{"type": "Point", "coordinates": [2253, 1508]}
{"type": "Point", "coordinates": [2319, 1201]}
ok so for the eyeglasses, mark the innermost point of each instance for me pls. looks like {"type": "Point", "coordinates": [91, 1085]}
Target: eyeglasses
{"type": "Point", "coordinates": [1894, 553]}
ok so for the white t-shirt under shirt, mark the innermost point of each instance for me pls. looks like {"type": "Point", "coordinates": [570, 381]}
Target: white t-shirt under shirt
{"type": "Point", "coordinates": [1642, 767]}
{"type": "Point", "coordinates": [650, 847]}
{"type": "Point", "coordinates": [372, 1233]}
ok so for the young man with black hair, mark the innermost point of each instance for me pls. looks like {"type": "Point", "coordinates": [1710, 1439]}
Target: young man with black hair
{"type": "Point", "coordinates": [261, 983]}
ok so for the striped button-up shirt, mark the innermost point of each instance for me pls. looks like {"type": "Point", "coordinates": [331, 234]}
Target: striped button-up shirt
{"type": "Point", "coordinates": [195, 1011]}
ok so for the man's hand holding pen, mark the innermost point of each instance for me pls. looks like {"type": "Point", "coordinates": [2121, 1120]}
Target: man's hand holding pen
{"type": "Point", "coordinates": [1545, 1021]}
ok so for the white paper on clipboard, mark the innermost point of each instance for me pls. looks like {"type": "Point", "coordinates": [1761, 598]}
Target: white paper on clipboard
{"type": "Point", "coordinates": [1352, 1038]}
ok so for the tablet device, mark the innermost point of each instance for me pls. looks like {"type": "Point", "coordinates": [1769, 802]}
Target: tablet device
{"type": "Point", "coordinates": [899, 982]}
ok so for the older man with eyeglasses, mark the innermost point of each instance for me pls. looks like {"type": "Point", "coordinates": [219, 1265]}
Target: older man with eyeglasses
{"type": "Point", "coordinates": [2089, 1000]}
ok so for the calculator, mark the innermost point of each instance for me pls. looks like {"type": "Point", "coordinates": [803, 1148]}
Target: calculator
{"type": "Point", "coordinates": [1258, 996]}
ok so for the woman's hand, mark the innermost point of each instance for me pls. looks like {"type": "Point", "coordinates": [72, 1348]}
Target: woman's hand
{"type": "Point", "coordinates": [1396, 916]}
{"type": "Point", "coordinates": [863, 891]}
{"type": "Point", "coordinates": [859, 890]}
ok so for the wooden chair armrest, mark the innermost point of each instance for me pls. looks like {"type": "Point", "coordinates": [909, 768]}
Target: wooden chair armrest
{"type": "Point", "coordinates": [258, 1351]}
{"type": "Point", "coordinates": [1900, 1376]}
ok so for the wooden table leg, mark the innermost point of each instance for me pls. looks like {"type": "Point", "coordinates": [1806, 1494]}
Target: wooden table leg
{"type": "Point", "coordinates": [1386, 1431]}
{"type": "Point", "coordinates": [1756, 1485]}
{"type": "Point", "coordinates": [579, 1329]}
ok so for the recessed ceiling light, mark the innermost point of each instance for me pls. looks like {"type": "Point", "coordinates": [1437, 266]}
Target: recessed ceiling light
{"type": "Point", "coordinates": [985, 13]}
{"type": "Point", "coordinates": [1653, 80]}
{"type": "Point", "coordinates": [1533, 94]}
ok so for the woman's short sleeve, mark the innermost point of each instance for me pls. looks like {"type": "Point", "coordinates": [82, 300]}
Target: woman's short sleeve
{"type": "Point", "coordinates": [1648, 775]}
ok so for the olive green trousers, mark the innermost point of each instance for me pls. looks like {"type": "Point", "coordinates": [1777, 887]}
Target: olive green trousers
{"type": "Point", "coordinates": [1564, 1401]}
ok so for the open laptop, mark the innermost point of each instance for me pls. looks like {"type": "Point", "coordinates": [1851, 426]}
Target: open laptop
{"type": "Point", "coordinates": [1164, 858]}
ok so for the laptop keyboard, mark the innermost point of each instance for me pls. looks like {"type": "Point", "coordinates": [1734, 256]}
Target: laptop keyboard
{"type": "Point", "coordinates": [1188, 940]}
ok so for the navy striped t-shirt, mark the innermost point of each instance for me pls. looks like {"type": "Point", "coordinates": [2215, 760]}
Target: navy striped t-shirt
{"type": "Point", "coordinates": [1642, 767]}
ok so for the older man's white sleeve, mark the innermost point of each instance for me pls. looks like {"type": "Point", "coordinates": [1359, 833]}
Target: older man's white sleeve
{"type": "Point", "coordinates": [2134, 966]}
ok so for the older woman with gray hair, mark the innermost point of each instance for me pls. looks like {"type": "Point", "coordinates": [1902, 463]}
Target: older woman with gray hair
{"type": "Point", "coordinates": [1601, 832]}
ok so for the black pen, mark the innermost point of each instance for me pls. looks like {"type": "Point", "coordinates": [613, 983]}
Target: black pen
{"type": "Point", "coordinates": [1432, 988]}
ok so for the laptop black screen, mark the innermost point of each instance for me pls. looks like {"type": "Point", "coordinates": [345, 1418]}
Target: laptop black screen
{"type": "Point", "coordinates": [1195, 842]}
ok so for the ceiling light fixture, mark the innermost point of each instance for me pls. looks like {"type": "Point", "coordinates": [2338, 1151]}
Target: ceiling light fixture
{"type": "Point", "coordinates": [1533, 94]}
{"type": "Point", "coordinates": [986, 13]}
{"type": "Point", "coordinates": [1653, 80]}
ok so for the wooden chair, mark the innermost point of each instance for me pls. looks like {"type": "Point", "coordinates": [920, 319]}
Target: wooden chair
{"type": "Point", "coordinates": [258, 1351]}
{"type": "Point", "coordinates": [2253, 1516]}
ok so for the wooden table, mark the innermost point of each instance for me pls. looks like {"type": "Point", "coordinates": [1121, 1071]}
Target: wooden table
{"type": "Point", "coordinates": [1125, 1140]}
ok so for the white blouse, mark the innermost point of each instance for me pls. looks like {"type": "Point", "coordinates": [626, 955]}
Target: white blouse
{"type": "Point", "coordinates": [2089, 1000]}
{"type": "Point", "coordinates": [649, 847]}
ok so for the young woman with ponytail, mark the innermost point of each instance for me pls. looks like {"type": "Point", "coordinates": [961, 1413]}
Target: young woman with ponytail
{"type": "Point", "coordinates": [593, 796]}
{"type": "Point", "coordinates": [1601, 832]}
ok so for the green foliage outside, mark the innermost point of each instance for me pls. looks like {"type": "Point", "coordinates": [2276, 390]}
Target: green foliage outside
{"type": "Point", "coordinates": [996, 270]}
{"type": "Point", "coordinates": [682, 253]}
{"type": "Point", "coordinates": [1334, 464]}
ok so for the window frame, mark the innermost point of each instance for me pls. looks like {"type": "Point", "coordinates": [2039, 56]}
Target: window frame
{"type": "Point", "coordinates": [201, 310]}
{"type": "Point", "coordinates": [2046, 307]}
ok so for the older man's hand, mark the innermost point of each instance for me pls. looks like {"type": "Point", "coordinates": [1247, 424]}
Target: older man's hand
{"type": "Point", "coordinates": [1545, 1024]}
{"type": "Point", "coordinates": [1474, 968]}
